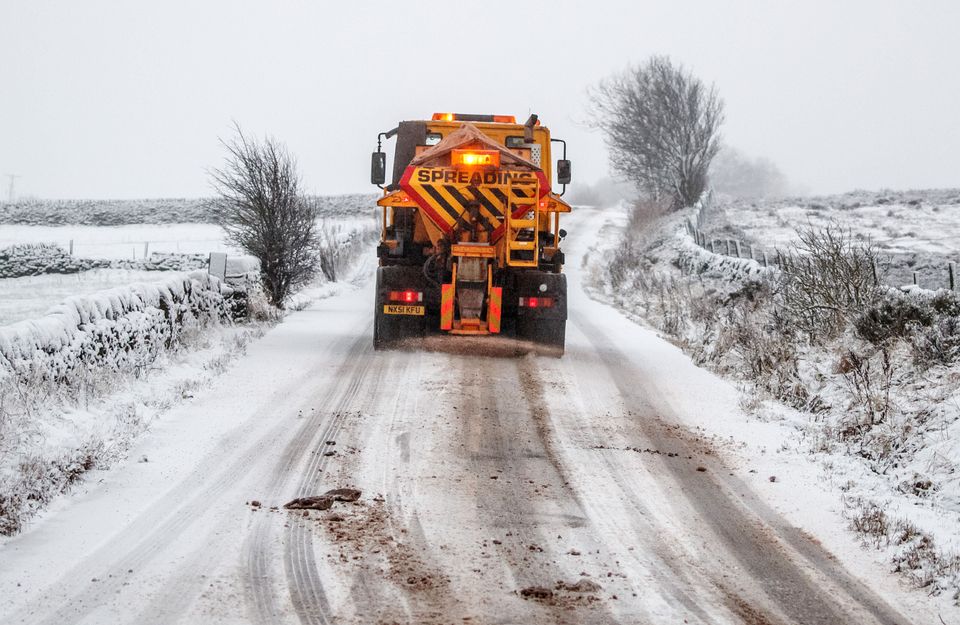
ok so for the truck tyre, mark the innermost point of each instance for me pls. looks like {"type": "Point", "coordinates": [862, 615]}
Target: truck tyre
{"type": "Point", "coordinates": [550, 333]}
{"type": "Point", "coordinates": [543, 326]}
{"type": "Point", "coordinates": [381, 338]}
{"type": "Point", "coordinates": [390, 330]}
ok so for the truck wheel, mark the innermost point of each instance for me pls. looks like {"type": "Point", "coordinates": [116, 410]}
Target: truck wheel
{"type": "Point", "coordinates": [381, 336]}
{"type": "Point", "coordinates": [390, 330]}
{"type": "Point", "coordinates": [550, 333]}
{"type": "Point", "coordinates": [544, 326]}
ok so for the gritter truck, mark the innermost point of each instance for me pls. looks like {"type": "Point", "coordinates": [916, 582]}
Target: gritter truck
{"type": "Point", "coordinates": [470, 237]}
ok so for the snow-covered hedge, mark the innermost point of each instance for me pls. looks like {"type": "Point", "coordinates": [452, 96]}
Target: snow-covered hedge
{"type": "Point", "coordinates": [120, 329]}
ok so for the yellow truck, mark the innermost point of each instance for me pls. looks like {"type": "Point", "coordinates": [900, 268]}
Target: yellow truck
{"type": "Point", "coordinates": [470, 241]}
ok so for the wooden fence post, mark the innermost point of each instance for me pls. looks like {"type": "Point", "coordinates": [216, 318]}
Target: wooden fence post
{"type": "Point", "coordinates": [729, 250]}
{"type": "Point", "coordinates": [71, 247]}
{"type": "Point", "coordinates": [915, 281]}
{"type": "Point", "coordinates": [765, 262]}
{"type": "Point", "coordinates": [739, 255]}
{"type": "Point", "coordinates": [146, 249]}
{"type": "Point", "coordinates": [952, 271]}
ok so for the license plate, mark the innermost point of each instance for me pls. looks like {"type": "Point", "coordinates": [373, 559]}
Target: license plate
{"type": "Point", "coordinates": [399, 309]}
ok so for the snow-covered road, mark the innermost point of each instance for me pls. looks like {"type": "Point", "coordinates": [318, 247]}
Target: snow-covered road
{"type": "Point", "coordinates": [483, 474]}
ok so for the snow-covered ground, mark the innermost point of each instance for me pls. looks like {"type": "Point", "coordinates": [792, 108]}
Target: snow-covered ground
{"type": "Point", "coordinates": [31, 296]}
{"type": "Point", "coordinates": [895, 481]}
{"type": "Point", "coordinates": [618, 484]}
{"type": "Point", "coordinates": [22, 298]}
{"type": "Point", "coordinates": [916, 230]}
{"type": "Point", "coordinates": [39, 212]}
{"type": "Point", "coordinates": [132, 241]}
{"type": "Point", "coordinates": [122, 242]}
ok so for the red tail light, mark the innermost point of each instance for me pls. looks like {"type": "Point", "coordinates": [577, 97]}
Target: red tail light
{"type": "Point", "coordinates": [536, 302]}
{"type": "Point", "coordinates": [405, 297]}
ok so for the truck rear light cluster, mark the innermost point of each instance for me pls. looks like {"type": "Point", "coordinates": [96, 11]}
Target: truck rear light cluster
{"type": "Point", "coordinates": [405, 297]}
{"type": "Point", "coordinates": [536, 302]}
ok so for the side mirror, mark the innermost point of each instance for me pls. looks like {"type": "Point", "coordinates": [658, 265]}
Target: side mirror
{"type": "Point", "coordinates": [378, 168]}
{"type": "Point", "coordinates": [562, 233]}
{"type": "Point", "coordinates": [563, 171]}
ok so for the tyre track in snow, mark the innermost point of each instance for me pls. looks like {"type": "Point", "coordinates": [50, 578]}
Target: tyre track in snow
{"type": "Point", "coordinates": [303, 576]}
{"type": "Point", "coordinates": [510, 437]}
{"type": "Point", "coordinates": [612, 486]}
{"type": "Point", "coordinates": [799, 579]}
{"type": "Point", "coordinates": [434, 602]}
{"type": "Point", "coordinates": [374, 595]}
{"type": "Point", "coordinates": [259, 555]}
{"type": "Point", "coordinates": [156, 529]}
{"type": "Point", "coordinates": [597, 484]}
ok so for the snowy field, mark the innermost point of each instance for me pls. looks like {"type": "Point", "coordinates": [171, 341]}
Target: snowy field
{"type": "Point", "coordinates": [29, 297]}
{"type": "Point", "coordinates": [122, 242]}
{"type": "Point", "coordinates": [21, 298]}
{"type": "Point", "coordinates": [916, 230]}
{"type": "Point", "coordinates": [150, 211]}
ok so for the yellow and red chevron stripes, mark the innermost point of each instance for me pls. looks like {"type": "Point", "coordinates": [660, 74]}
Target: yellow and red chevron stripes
{"type": "Point", "coordinates": [446, 306]}
{"type": "Point", "coordinates": [494, 307]}
{"type": "Point", "coordinates": [444, 194]}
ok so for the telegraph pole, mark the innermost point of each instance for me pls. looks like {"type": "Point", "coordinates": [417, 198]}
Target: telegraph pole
{"type": "Point", "coordinates": [12, 178]}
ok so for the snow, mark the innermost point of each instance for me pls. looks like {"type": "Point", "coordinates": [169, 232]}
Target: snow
{"type": "Point", "coordinates": [131, 241]}
{"type": "Point", "coordinates": [166, 534]}
{"type": "Point", "coordinates": [31, 296]}
{"type": "Point", "coordinates": [821, 483]}
{"type": "Point", "coordinates": [122, 242]}
{"type": "Point", "coordinates": [915, 230]}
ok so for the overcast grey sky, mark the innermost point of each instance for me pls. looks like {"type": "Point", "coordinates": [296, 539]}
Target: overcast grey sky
{"type": "Point", "coordinates": [127, 99]}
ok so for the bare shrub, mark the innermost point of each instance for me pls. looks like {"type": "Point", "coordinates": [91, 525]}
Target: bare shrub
{"type": "Point", "coordinates": [828, 278]}
{"type": "Point", "coordinates": [870, 386]}
{"type": "Point", "coordinates": [871, 522]}
{"type": "Point", "coordinates": [938, 344]}
{"type": "Point", "coordinates": [931, 326]}
{"type": "Point", "coordinates": [891, 318]}
{"type": "Point", "coordinates": [264, 213]}
{"type": "Point", "coordinates": [662, 125]}
{"type": "Point", "coordinates": [336, 247]}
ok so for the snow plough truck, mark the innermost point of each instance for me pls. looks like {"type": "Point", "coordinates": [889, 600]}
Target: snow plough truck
{"type": "Point", "coordinates": [470, 240]}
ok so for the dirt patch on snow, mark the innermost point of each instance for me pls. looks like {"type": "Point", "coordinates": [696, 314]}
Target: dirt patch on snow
{"type": "Point", "coordinates": [365, 538]}
{"type": "Point", "coordinates": [566, 595]}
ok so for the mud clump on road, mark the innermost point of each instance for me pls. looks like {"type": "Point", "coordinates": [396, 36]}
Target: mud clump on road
{"type": "Point", "coordinates": [565, 594]}
{"type": "Point", "coordinates": [348, 495]}
{"type": "Point", "coordinates": [584, 585]}
{"type": "Point", "coordinates": [538, 593]}
{"type": "Point", "coordinates": [324, 501]}
{"type": "Point", "coordinates": [321, 502]}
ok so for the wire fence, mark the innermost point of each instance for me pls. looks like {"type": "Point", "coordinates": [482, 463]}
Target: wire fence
{"type": "Point", "coordinates": [142, 249]}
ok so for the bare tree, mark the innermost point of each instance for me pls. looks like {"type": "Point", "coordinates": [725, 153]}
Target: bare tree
{"type": "Point", "coordinates": [662, 127]}
{"type": "Point", "coordinates": [264, 213]}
